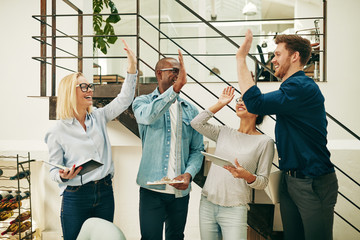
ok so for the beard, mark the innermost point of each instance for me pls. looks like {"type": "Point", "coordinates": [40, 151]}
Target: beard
{"type": "Point", "coordinates": [283, 69]}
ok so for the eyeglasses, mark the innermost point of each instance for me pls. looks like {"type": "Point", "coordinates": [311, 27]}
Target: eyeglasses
{"type": "Point", "coordinates": [174, 70]}
{"type": "Point", "coordinates": [239, 100]}
{"type": "Point", "coordinates": [85, 87]}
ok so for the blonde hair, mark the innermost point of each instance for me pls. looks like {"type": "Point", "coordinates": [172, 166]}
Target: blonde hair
{"type": "Point", "coordinates": [66, 106]}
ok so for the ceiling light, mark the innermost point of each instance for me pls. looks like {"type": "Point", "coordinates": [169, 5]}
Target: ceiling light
{"type": "Point", "coordinates": [250, 9]}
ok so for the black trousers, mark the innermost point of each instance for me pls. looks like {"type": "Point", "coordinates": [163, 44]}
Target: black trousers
{"type": "Point", "coordinates": [159, 208]}
{"type": "Point", "coordinates": [307, 207]}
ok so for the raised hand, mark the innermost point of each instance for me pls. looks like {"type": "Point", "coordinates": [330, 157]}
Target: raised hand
{"type": "Point", "coordinates": [226, 96]}
{"type": "Point", "coordinates": [131, 58]}
{"type": "Point", "coordinates": [243, 73]}
{"type": "Point", "coordinates": [181, 79]}
{"type": "Point", "coordinates": [245, 47]}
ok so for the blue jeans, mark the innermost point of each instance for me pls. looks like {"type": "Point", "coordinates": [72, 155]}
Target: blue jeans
{"type": "Point", "coordinates": [217, 222]}
{"type": "Point", "coordinates": [93, 199]}
{"type": "Point", "coordinates": [159, 208]}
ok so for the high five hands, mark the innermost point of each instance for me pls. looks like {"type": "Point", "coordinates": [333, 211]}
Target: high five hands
{"type": "Point", "coordinates": [181, 79]}
{"type": "Point", "coordinates": [131, 59]}
{"type": "Point", "coordinates": [245, 47]}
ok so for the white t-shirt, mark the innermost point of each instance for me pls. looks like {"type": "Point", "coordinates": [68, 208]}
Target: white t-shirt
{"type": "Point", "coordinates": [173, 109]}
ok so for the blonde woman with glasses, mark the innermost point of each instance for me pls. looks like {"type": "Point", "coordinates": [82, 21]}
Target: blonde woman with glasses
{"type": "Point", "coordinates": [80, 134]}
{"type": "Point", "coordinates": [226, 193]}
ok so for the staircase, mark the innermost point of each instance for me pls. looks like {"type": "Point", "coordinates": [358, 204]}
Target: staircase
{"type": "Point", "coordinates": [261, 216]}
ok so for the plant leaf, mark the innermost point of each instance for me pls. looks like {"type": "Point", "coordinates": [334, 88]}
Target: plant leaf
{"type": "Point", "coordinates": [112, 40]}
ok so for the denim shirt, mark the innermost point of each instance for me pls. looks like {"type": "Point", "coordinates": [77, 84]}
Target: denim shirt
{"type": "Point", "coordinates": [153, 118]}
{"type": "Point", "coordinates": [301, 123]}
{"type": "Point", "coordinates": [69, 144]}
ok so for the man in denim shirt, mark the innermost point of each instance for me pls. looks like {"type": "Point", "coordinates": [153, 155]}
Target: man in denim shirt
{"type": "Point", "coordinates": [171, 148]}
{"type": "Point", "coordinates": [309, 185]}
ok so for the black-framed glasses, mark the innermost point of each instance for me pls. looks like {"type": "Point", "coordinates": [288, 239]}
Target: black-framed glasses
{"type": "Point", "coordinates": [239, 100]}
{"type": "Point", "coordinates": [85, 87]}
{"type": "Point", "coordinates": [174, 70]}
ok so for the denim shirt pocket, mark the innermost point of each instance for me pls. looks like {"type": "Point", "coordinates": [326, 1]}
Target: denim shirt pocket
{"type": "Point", "coordinates": [160, 123]}
{"type": "Point", "coordinates": [187, 129]}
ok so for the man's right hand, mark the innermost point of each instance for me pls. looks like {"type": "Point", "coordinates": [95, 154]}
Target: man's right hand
{"type": "Point", "coordinates": [245, 47]}
{"type": "Point", "coordinates": [181, 79]}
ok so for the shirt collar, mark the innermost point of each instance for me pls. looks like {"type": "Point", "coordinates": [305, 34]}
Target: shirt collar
{"type": "Point", "coordinates": [71, 121]}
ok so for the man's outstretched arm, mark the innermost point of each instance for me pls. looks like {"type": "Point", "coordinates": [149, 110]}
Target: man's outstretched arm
{"type": "Point", "coordinates": [244, 76]}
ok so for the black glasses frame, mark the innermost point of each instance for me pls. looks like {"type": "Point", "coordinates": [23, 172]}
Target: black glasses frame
{"type": "Point", "coordinates": [85, 87]}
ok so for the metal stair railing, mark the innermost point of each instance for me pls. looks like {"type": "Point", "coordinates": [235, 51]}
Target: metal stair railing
{"type": "Point", "coordinates": [42, 40]}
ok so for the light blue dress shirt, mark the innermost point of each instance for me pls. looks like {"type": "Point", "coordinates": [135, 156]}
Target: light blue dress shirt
{"type": "Point", "coordinates": [69, 144]}
{"type": "Point", "coordinates": [153, 118]}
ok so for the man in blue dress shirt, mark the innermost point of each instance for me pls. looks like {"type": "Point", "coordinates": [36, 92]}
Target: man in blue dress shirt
{"type": "Point", "coordinates": [308, 190]}
{"type": "Point", "coordinates": [170, 149]}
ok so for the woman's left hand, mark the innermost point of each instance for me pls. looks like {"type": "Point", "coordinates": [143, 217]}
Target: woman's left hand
{"type": "Point", "coordinates": [240, 172]}
{"type": "Point", "coordinates": [131, 59]}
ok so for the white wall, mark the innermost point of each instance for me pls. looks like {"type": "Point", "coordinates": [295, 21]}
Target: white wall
{"type": "Point", "coordinates": [24, 120]}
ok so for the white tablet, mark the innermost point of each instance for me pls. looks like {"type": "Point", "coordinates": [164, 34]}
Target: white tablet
{"type": "Point", "coordinates": [162, 181]}
{"type": "Point", "coordinates": [217, 160]}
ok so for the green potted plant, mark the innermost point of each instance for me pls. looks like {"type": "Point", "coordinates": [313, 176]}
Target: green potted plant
{"type": "Point", "coordinates": [104, 27]}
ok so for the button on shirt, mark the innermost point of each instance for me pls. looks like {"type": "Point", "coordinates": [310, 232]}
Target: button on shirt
{"type": "Point", "coordinates": [69, 144]}
{"type": "Point", "coordinates": [301, 123]}
{"type": "Point", "coordinates": [153, 118]}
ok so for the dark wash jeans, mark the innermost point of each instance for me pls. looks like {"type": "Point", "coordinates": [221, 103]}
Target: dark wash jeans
{"type": "Point", "coordinates": [93, 199]}
{"type": "Point", "coordinates": [307, 207]}
{"type": "Point", "coordinates": [157, 208]}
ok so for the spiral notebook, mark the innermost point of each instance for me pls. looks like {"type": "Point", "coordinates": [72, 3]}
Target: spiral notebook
{"type": "Point", "coordinates": [87, 166]}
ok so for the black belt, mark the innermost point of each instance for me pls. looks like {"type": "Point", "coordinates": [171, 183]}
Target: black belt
{"type": "Point", "coordinates": [296, 174]}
